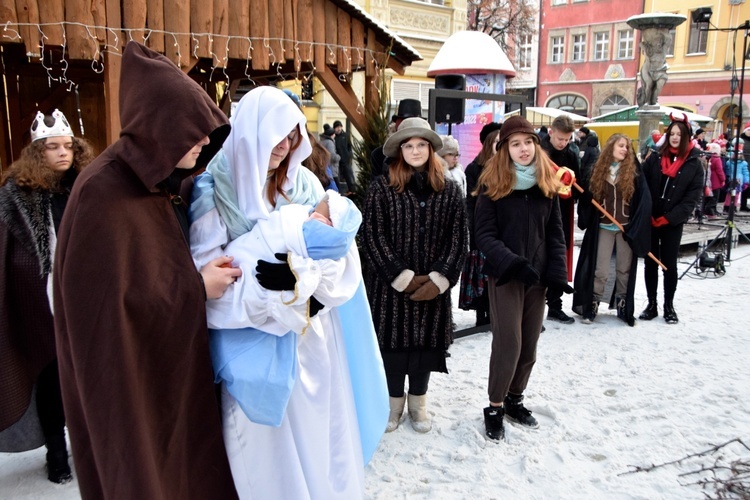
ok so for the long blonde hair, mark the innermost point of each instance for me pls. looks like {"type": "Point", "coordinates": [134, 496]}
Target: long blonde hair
{"type": "Point", "coordinates": [627, 173]}
{"type": "Point", "coordinates": [499, 175]}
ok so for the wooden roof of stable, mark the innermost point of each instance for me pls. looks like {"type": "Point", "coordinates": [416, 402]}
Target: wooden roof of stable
{"type": "Point", "coordinates": [212, 40]}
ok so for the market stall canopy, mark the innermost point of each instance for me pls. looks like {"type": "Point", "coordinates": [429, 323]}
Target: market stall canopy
{"type": "Point", "coordinates": [629, 114]}
{"type": "Point", "coordinates": [544, 116]}
{"type": "Point", "coordinates": [471, 53]}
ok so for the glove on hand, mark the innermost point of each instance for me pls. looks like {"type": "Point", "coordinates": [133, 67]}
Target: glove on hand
{"type": "Point", "coordinates": [416, 282]}
{"type": "Point", "coordinates": [661, 221]}
{"type": "Point", "coordinates": [562, 287]}
{"type": "Point", "coordinates": [428, 291]}
{"type": "Point", "coordinates": [315, 306]}
{"type": "Point", "coordinates": [527, 275]}
{"type": "Point", "coordinates": [276, 277]}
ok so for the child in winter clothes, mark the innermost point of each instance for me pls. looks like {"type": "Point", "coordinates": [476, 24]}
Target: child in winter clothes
{"type": "Point", "coordinates": [519, 230]}
{"type": "Point", "coordinates": [736, 182]}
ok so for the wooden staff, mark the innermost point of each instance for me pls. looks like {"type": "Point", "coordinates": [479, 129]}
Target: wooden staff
{"type": "Point", "coordinates": [614, 221]}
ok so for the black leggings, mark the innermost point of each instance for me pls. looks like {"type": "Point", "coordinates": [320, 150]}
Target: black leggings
{"type": "Point", "coordinates": [49, 405]}
{"type": "Point", "coordinates": [418, 383]}
{"type": "Point", "coordinates": [665, 245]}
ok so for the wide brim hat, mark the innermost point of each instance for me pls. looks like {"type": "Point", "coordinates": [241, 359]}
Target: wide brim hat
{"type": "Point", "coordinates": [410, 128]}
{"type": "Point", "coordinates": [516, 125]}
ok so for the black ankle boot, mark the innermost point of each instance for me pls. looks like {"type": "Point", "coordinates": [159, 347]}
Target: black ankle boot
{"type": "Point", "coordinates": [493, 423]}
{"type": "Point", "coordinates": [651, 311]}
{"type": "Point", "coordinates": [58, 469]}
{"type": "Point", "coordinates": [670, 316]}
{"type": "Point", "coordinates": [515, 411]}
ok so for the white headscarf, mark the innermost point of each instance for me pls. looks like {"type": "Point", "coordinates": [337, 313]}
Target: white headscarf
{"type": "Point", "coordinates": [263, 117]}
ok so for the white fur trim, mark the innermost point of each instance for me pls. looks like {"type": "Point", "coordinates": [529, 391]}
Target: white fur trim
{"type": "Point", "coordinates": [403, 280]}
{"type": "Point", "coordinates": [337, 207]}
{"type": "Point", "coordinates": [441, 281]}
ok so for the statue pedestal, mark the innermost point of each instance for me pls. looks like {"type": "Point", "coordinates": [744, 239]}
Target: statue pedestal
{"type": "Point", "coordinates": [649, 118]}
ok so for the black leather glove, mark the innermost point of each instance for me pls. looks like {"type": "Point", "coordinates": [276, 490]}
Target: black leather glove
{"type": "Point", "coordinates": [276, 277]}
{"type": "Point", "coordinates": [315, 306]}
{"type": "Point", "coordinates": [562, 287]}
{"type": "Point", "coordinates": [527, 275]}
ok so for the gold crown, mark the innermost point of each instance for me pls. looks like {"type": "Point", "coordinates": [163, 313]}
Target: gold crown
{"type": "Point", "coordinates": [61, 127]}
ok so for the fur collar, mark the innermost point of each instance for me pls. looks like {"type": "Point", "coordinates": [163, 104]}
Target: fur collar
{"type": "Point", "coordinates": [29, 218]}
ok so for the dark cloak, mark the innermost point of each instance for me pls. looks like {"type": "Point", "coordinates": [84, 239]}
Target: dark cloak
{"type": "Point", "coordinates": [637, 234]}
{"type": "Point", "coordinates": [130, 313]}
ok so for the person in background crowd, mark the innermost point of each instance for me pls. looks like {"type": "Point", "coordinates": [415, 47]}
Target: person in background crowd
{"type": "Point", "coordinates": [589, 156]}
{"type": "Point", "coordinates": [675, 180]}
{"type": "Point", "coordinates": [519, 230]}
{"type": "Point", "coordinates": [618, 185]}
{"type": "Point", "coordinates": [558, 148]}
{"type": "Point", "coordinates": [473, 289]}
{"type": "Point", "coordinates": [543, 132]}
{"type": "Point", "coordinates": [737, 179]}
{"type": "Point", "coordinates": [449, 156]}
{"type": "Point", "coordinates": [407, 108]}
{"type": "Point", "coordinates": [326, 139]}
{"type": "Point", "coordinates": [130, 306]}
{"type": "Point", "coordinates": [700, 138]}
{"type": "Point", "coordinates": [414, 236]}
{"type": "Point", "coordinates": [344, 150]}
{"type": "Point", "coordinates": [33, 194]}
{"type": "Point", "coordinates": [319, 163]}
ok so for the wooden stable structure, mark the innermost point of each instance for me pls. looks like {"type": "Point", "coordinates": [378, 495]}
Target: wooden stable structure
{"type": "Point", "coordinates": [66, 54]}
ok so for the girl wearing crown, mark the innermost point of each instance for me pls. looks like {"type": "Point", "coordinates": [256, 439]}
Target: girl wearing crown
{"type": "Point", "coordinates": [675, 179]}
{"type": "Point", "coordinates": [33, 195]}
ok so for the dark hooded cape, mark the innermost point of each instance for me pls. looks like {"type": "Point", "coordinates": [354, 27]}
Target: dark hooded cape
{"type": "Point", "coordinates": [637, 234]}
{"type": "Point", "coordinates": [129, 304]}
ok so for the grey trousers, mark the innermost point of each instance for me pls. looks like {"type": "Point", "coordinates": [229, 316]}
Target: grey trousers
{"type": "Point", "coordinates": [607, 241]}
{"type": "Point", "coordinates": [516, 316]}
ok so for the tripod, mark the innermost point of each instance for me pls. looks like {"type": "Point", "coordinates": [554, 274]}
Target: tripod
{"type": "Point", "coordinates": [725, 235]}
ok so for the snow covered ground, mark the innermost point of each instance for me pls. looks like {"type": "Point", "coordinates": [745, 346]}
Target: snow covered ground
{"type": "Point", "coordinates": [608, 397]}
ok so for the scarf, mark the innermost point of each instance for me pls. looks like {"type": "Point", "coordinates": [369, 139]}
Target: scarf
{"type": "Point", "coordinates": [525, 176]}
{"type": "Point", "coordinates": [614, 171]}
{"type": "Point", "coordinates": [670, 166]}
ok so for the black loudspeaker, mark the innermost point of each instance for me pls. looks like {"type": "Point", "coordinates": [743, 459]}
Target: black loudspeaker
{"type": "Point", "coordinates": [449, 110]}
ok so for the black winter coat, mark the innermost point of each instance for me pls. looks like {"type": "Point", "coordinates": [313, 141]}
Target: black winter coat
{"type": "Point", "coordinates": [472, 172]}
{"type": "Point", "coordinates": [421, 230]}
{"type": "Point", "coordinates": [674, 198]}
{"type": "Point", "coordinates": [524, 226]}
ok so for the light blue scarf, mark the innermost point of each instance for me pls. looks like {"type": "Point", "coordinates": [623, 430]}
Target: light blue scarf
{"type": "Point", "coordinates": [525, 176]}
{"type": "Point", "coordinates": [614, 171]}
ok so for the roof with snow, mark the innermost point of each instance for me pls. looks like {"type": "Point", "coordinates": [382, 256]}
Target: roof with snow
{"type": "Point", "coordinates": [471, 52]}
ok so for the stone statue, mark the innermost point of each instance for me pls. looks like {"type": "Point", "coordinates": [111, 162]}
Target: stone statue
{"type": "Point", "coordinates": [654, 43]}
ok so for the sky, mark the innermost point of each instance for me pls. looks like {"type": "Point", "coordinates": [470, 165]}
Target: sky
{"type": "Point", "coordinates": [608, 398]}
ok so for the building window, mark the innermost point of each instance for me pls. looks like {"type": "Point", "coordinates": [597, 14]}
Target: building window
{"type": "Point", "coordinates": [410, 89]}
{"type": "Point", "coordinates": [579, 48]}
{"type": "Point", "coordinates": [613, 103]}
{"type": "Point", "coordinates": [669, 49]}
{"type": "Point", "coordinates": [559, 2]}
{"type": "Point", "coordinates": [625, 44]}
{"type": "Point", "coordinates": [570, 103]}
{"type": "Point", "coordinates": [558, 48]}
{"type": "Point", "coordinates": [697, 40]}
{"type": "Point", "coordinates": [524, 52]}
{"type": "Point", "coordinates": [601, 46]}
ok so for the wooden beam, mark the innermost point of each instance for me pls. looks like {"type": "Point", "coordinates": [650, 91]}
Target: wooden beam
{"type": "Point", "coordinates": [239, 26]}
{"type": "Point", "coordinates": [114, 22]}
{"type": "Point", "coordinates": [155, 21]}
{"type": "Point", "coordinates": [332, 35]}
{"type": "Point", "coordinates": [305, 30]}
{"type": "Point", "coordinates": [396, 66]}
{"type": "Point", "coordinates": [344, 96]}
{"type": "Point", "coordinates": [28, 12]}
{"type": "Point", "coordinates": [319, 33]}
{"type": "Point", "coordinates": [112, 69]}
{"type": "Point", "coordinates": [177, 20]}
{"type": "Point", "coordinates": [98, 10]}
{"type": "Point", "coordinates": [289, 29]}
{"type": "Point", "coordinates": [259, 33]}
{"type": "Point", "coordinates": [53, 12]}
{"type": "Point", "coordinates": [369, 61]}
{"type": "Point", "coordinates": [8, 11]}
{"type": "Point", "coordinates": [221, 30]}
{"type": "Point", "coordinates": [134, 18]}
{"type": "Point", "coordinates": [276, 31]}
{"type": "Point", "coordinates": [358, 42]}
{"type": "Point", "coordinates": [345, 41]}
{"type": "Point", "coordinates": [201, 21]}
{"type": "Point", "coordinates": [52, 101]}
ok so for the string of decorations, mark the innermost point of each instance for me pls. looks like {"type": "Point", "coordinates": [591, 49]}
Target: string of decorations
{"type": "Point", "coordinates": [11, 33]}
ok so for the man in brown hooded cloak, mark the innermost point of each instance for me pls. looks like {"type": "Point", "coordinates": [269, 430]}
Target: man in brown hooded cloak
{"type": "Point", "coordinates": [129, 304]}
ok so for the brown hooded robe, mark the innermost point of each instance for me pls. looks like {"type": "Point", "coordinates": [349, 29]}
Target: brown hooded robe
{"type": "Point", "coordinates": [130, 307]}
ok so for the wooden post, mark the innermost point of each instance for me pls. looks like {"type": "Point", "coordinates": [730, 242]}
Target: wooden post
{"type": "Point", "coordinates": [259, 33]}
{"type": "Point", "coordinates": [289, 29]}
{"type": "Point", "coordinates": [112, 68]}
{"type": "Point", "coordinates": [177, 20]}
{"type": "Point", "coordinates": [28, 12]}
{"type": "Point", "coordinates": [332, 35]}
{"type": "Point", "coordinates": [201, 21]}
{"type": "Point", "coordinates": [276, 30]}
{"type": "Point", "coordinates": [82, 43]}
{"type": "Point", "coordinates": [221, 32]}
{"type": "Point", "coordinates": [344, 96]}
{"type": "Point", "coordinates": [358, 43]}
{"type": "Point", "coordinates": [155, 19]}
{"type": "Point", "coordinates": [53, 12]}
{"type": "Point", "coordinates": [134, 18]}
{"type": "Point", "coordinates": [345, 40]}
{"type": "Point", "coordinates": [372, 87]}
{"type": "Point", "coordinates": [239, 25]}
{"type": "Point", "coordinates": [319, 33]}
{"type": "Point", "coordinates": [305, 30]}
